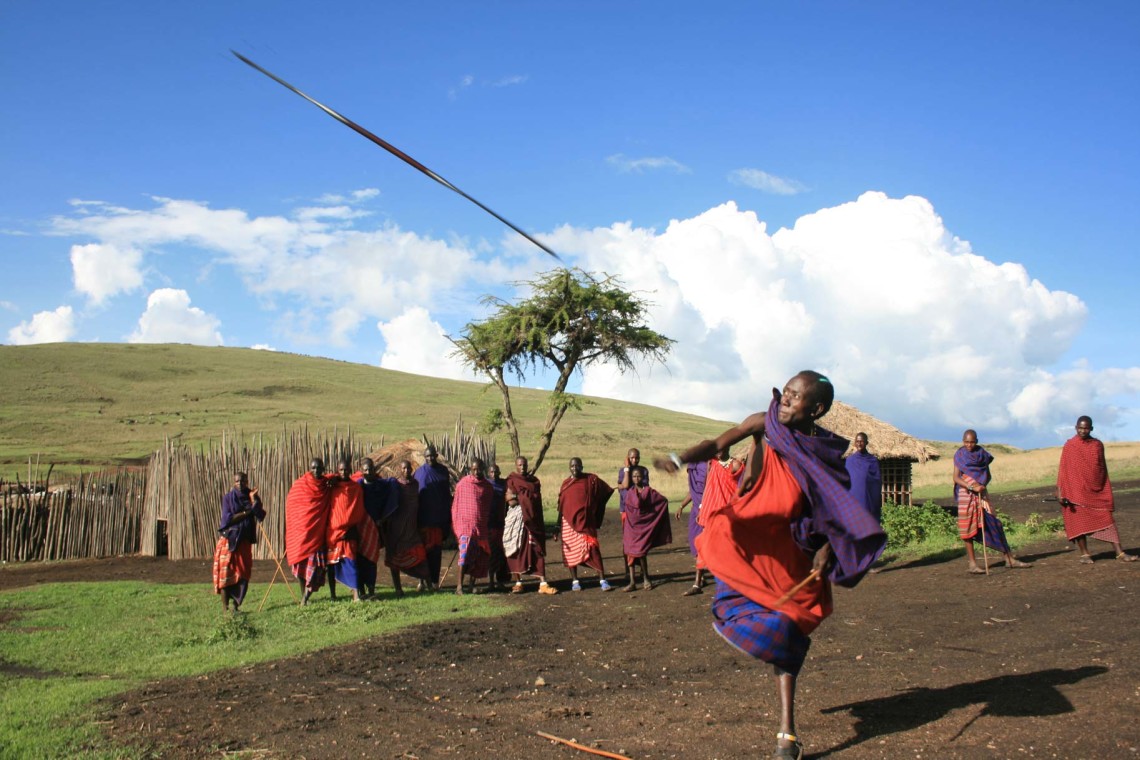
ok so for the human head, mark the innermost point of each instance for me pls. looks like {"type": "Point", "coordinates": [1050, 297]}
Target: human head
{"type": "Point", "coordinates": [316, 467]}
{"type": "Point", "coordinates": [861, 442]}
{"type": "Point", "coordinates": [344, 468]}
{"type": "Point", "coordinates": [406, 469]}
{"type": "Point", "coordinates": [477, 468]}
{"type": "Point", "coordinates": [367, 467]}
{"type": "Point", "coordinates": [1084, 426]}
{"type": "Point", "coordinates": [241, 481]}
{"type": "Point", "coordinates": [575, 467]}
{"type": "Point", "coordinates": [521, 465]}
{"type": "Point", "coordinates": [970, 439]}
{"type": "Point", "coordinates": [632, 458]}
{"type": "Point", "coordinates": [805, 398]}
{"type": "Point", "coordinates": [493, 471]}
{"type": "Point", "coordinates": [722, 455]}
{"type": "Point", "coordinates": [637, 477]}
{"type": "Point", "coordinates": [430, 455]}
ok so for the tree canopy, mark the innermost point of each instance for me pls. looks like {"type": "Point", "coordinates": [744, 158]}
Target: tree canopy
{"type": "Point", "coordinates": [570, 321]}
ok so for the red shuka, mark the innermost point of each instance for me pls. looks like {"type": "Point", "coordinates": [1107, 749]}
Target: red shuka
{"type": "Point", "coordinates": [306, 517]}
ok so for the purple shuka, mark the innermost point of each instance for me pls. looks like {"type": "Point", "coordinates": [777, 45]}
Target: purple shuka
{"type": "Point", "coordinates": [646, 521]}
{"type": "Point", "coordinates": [435, 496]}
{"type": "Point", "coordinates": [866, 481]}
{"type": "Point", "coordinates": [974, 463]}
{"type": "Point", "coordinates": [834, 514]}
{"type": "Point", "coordinates": [698, 471]}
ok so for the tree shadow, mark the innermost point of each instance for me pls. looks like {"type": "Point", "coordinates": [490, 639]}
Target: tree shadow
{"type": "Point", "coordinates": [1010, 696]}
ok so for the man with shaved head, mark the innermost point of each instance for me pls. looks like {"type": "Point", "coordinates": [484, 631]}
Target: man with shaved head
{"type": "Point", "coordinates": [793, 529]}
{"type": "Point", "coordinates": [1085, 493]}
{"type": "Point", "coordinates": [976, 518]}
{"type": "Point", "coordinates": [581, 509]}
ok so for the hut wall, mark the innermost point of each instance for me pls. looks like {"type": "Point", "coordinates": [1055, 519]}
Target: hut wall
{"type": "Point", "coordinates": [896, 480]}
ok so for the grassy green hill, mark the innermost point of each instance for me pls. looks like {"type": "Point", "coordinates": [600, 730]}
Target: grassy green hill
{"type": "Point", "coordinates": [87, 405]}
{"type": "Point", "coordinates": [91, 405]}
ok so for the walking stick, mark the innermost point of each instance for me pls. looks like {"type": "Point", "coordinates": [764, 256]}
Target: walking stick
{"type": "Point", "coordinates": [279, 571]}
{"type": "Point", "coordinates": [985, 555]}
{"type": "Point", "coordinates": [446, 570]}
{"type": "Point", "coordinates": [813, 575]}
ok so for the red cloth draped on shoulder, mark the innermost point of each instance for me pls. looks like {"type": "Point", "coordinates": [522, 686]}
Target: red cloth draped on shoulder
{"type": "Point", "coordinates": [306, 517]}
{"type": "Point", "coordinates": [748, 544]}
{"type": "Point", "coordinates": [1082, 478]}
{"type": "Point", "coordinates": [528, 489]}
{"type": "Point", "coordinates": [471, 507]}
{"type": "Point", "coordinates": [583, 502]}
{"type": "Point", "coordinates": [720, 488]}
{"type": "Point", "coordinates": [345, 513]}
{"type": "Point", "coordinates": [371, 542]}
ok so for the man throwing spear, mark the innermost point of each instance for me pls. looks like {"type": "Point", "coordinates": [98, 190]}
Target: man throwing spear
{"type": "Point", "coordinates": [793, 528]}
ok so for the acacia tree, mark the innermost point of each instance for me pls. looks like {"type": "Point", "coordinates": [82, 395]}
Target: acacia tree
{"type": "Point", "coordinates": [571, 321]}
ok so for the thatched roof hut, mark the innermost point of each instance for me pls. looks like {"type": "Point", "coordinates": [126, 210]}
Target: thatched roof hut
{"type": "Point", "coordinates": [896, 450]}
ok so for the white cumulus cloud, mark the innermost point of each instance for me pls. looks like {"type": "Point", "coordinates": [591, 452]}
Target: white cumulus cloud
{"type": "Point", "coordinates": [44, 327]}
{"type": "Point", "coordinates": [102, 270]}
{"type": "Point", "coordinates": [909, 321]}
{"type": "Point", "coordinates": [169, 318]}
{"type": "Point", "coordinates": [415, 343]}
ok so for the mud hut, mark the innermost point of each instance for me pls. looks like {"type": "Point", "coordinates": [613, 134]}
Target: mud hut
{"type": "Point", "coordinates": [896, 450]}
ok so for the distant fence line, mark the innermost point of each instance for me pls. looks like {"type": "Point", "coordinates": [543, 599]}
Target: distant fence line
{"type": "Point", "coordinates": [99, 515]}
{"type": "Point", "coordinates": [185, 486]}
{"type": "Point", "coordinates": [173, 508]}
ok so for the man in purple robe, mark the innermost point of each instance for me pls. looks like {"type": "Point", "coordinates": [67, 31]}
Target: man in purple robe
{"type": "Point", "coordinates": [866, 479]}
{"type": "Point", "coordinates": [434, 517]}
{"type": "Point", "coordinates": [646, 526]}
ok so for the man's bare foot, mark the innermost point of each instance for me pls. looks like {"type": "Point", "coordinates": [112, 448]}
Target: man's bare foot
{"type": "Point", "coordinates": [630, 587]}
{"type": "Point", "coordinates": [647, 586]}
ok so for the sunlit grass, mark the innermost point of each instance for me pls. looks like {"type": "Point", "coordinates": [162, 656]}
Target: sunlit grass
{"type": "Point", "coordinates": [67, 645]}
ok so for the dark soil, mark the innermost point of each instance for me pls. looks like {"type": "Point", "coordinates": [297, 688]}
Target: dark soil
{"type": "Point", "coordinates": [922, 660]}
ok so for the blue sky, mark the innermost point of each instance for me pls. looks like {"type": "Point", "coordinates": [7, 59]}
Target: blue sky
{"type": "Point", "coordinates": [934, 203]}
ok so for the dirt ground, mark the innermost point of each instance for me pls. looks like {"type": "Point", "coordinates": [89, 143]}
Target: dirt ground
{"type": "Point", "coordinates": [921, 660]}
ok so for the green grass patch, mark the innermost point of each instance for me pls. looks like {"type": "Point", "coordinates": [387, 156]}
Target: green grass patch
{"type": "Point", "coordinates": [67, 645]}
{"type": "Point", "coordinates": [927, 529]}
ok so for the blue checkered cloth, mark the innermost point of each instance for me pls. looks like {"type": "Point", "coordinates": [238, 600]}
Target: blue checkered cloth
{"type": "Point", "coordinates": [835, 515]}
{"type": "Point", "coordinates": [995, 533]}
{"type": "Point", "coordinates": [757, 631]}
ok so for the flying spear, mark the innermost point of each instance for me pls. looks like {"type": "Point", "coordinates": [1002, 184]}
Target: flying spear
{"type": "Point", "coordinates": [394, 151]}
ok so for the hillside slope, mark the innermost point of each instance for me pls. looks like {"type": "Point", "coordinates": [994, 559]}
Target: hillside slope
{"type": "Point", "coordinates": [93, 405]}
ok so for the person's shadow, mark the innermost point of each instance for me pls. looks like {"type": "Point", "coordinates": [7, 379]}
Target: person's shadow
{"type": "Point", "coordinates": [1012, 696]}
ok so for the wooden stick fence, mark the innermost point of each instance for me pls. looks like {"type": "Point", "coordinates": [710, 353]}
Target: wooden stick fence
{"type": "Point", "coordinates": [97, 516]}
{"type": "Point", "coordinates": [185, 485]}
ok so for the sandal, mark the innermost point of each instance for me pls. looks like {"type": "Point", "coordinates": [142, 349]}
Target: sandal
{"type": "Point", "coordinates": [694, 590]}
{"type": "Point", "coordinates": [1086, 559]}
{"type": "Point", "coordinates": [1126, 557]}
{"type": "Point", "coordinates": [1017, 564]}
{"type": "Point", "coordinates": [975, 570]}
{"type": "Point", "coordinates": [795, 750]}
{"type": "Point", "coordinates": [517, 588]}
{"type": "Point", "coordinates": [546, 588]}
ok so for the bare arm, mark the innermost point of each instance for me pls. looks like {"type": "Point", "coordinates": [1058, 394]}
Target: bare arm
{"type": "Point", "coordinates": [753, 425]}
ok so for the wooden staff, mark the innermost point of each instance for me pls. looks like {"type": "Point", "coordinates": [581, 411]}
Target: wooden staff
{"type": "Point", "coordinates": [581, 747]}
{"type": "Point", "coordinates": [813, 575]}
{"type": "Point", "coordinates": [985, 554]}
{"type": "Point", "coordinates": [279, 571]}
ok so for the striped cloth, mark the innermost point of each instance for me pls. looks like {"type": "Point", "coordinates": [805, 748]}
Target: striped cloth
{"type": "Point", "coordinates": [757, 631]}
{"type": "Point", "coordinates": [580, 548]}
{"type": "Point", "coordinates": [231, 567]}
{"type": "Point", "coordinates": [974, 513]}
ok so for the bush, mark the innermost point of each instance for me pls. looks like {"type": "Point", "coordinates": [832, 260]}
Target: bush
{"type": "Point", "coordinates": [908, 526]}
